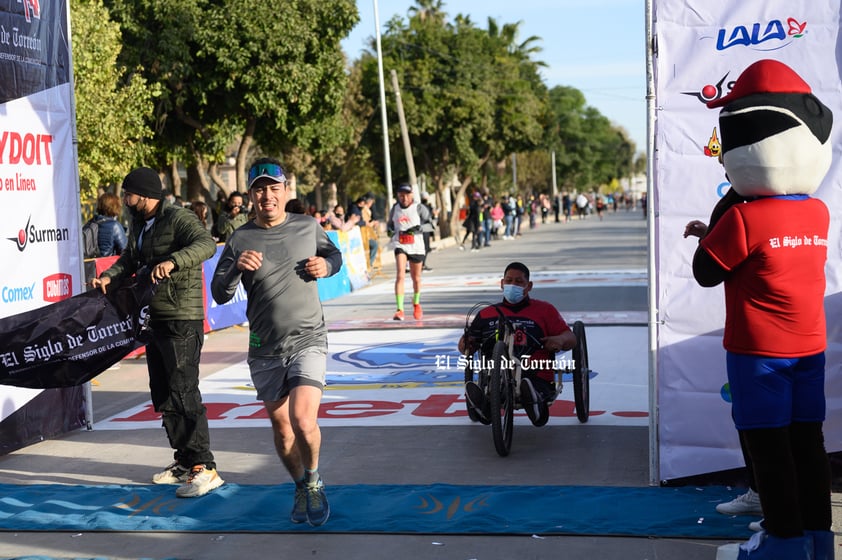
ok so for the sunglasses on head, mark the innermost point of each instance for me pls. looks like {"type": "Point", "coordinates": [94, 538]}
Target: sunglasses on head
{"type": "Point", "coordinates": [271, 169]}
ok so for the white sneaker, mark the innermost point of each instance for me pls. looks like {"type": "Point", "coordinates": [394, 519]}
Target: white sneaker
{"type": "Point", "coordinates": [756, 526]}
{"type": "Point", "coordinates": [744, 504]}
{"type": "Point", "coordinates": [201, 481]}
{"type": "Point", "coordinates": [173, 474]}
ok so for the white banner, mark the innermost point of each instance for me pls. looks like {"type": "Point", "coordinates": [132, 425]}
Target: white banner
{"type": "Point", "coordinates": [39, 193]}
{"type": "Point", "coordinates": [702, 47]}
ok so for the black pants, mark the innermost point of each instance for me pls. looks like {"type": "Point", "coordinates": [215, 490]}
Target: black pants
{"type": "Point", "coordinates": [172, 358]}
{"type": "Point", "coordinates": [792, 472]}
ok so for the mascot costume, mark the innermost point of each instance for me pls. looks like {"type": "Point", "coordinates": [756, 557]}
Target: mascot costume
{"type": "Point", "coordinates": [767, 241]}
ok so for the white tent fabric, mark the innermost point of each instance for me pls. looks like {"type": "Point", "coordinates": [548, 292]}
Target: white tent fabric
{"type": "Point", "coordinates": [701, 47]}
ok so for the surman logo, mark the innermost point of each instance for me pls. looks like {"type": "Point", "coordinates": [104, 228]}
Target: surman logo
{"type": "Point", "coordinates": [31, 234]}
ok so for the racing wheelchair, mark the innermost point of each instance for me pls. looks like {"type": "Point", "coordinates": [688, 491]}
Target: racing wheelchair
{"type": "Point", "coordinates": [497, 369]}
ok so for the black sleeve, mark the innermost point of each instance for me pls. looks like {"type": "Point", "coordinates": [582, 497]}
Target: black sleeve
{"type": "Point", "coordinates": [707, 271]}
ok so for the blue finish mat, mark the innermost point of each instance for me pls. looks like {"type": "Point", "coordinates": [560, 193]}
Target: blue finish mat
{"type": "Point", "coordinates": [686, 512]}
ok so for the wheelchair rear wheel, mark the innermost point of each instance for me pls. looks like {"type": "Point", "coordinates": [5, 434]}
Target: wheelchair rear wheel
{"type": "Point", "coordinates": [502, 399]}
{"type": "Point", "coordinates": [581, 373]}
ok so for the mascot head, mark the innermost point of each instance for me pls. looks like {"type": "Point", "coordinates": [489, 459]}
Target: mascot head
{"type": "Point", "coordinates": [775, 133]}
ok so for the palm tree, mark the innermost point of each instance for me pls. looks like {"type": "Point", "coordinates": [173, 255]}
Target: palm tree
{"type": "Point", "coordinates": [508, 35]}
{"type": "Point", "coordinates": [428, 9]}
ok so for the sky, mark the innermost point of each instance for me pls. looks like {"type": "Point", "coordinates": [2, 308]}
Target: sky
{"type": "Point", "coordinates": [595, 46]}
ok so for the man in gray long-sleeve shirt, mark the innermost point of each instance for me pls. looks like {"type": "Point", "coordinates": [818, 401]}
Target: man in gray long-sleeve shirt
{"type": "Point", "coordinates": [278, 258]}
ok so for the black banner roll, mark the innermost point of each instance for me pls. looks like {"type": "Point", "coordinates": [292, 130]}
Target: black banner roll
{"type": "Point", "coordinates": [74, 340]}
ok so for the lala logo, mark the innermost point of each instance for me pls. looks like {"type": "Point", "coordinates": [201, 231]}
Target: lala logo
{"type": "Point", "coordinates": [755, 35]}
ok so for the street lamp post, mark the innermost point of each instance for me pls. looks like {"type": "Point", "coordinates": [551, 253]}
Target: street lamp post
{"type": "Point", "coordinates": [387, 164]}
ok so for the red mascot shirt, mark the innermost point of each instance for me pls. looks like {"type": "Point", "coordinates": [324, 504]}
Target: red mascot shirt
{"type": "Point", "coordinates": [775, 249]}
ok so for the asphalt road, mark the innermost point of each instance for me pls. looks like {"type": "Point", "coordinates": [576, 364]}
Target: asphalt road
{"type": "Point", "coordinates": [576, 455]}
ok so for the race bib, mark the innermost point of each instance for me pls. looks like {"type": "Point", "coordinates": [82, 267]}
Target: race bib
{"type": "Point", "coordinates": [406, 238]}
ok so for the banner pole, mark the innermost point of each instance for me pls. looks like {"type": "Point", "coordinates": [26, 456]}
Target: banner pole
{"type": "Point", "coordinates": [654, 449]}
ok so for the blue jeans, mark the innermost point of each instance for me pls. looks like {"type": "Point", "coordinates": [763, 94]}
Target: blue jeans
{"type": "Point", "coordinates": [509, 220]}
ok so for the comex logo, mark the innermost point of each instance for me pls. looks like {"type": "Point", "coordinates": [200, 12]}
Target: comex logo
{"type": "Point", "coordinates": [14, 295]}
{"type": "Point", "coordinates": [754, 38]}
{"type": "Point", "coordinates": [31, 234]}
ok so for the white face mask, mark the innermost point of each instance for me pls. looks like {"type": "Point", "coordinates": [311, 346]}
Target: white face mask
{"type": "Point", "coordinates": [513, 293]}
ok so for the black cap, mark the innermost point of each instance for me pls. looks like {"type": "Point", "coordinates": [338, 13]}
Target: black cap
{"type": "Point", "coordinates": [144, 181]}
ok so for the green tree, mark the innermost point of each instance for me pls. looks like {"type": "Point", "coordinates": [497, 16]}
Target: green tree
{"type": "Point", "coordinates": [468, 100]}
{"type": "Point", "coordinates": [112, 104]}
{"type": "Point", "coordinates": [265, 72]}
{"type": "Point", "coordinates": [590, 151]}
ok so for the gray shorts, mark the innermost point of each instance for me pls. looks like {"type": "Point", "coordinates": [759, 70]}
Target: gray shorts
{"type": "Point", "coordinates": [274, 377]}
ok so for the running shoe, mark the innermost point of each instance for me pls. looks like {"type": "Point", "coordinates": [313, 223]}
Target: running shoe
{"type": "Point", "coordinates": [757, 526]}
{"type": "Point", "coordinates": [744, 504]}
{"type": "Point", "coordinates": [417, 312]}
{"type": "Point", "coordinates": [318, 510]}
{"type": "Point", "coordinates": [173, 474]}
{"type": "Point", "coordinates": [398, 315]}
{"type": "Point", "coordinates": [299, 505]}
{"type": "Point", "coordinates": [200, 481]}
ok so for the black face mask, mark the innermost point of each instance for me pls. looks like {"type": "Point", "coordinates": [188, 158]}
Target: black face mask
{"type": "Point", "coordinates": [134, 212]}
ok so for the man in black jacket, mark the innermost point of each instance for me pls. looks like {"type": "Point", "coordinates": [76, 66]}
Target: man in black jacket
{"type": "Point", "coordinates": [168, 243]}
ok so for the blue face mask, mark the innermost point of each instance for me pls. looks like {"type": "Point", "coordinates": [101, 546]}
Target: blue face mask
{"type": "Point", "coordinates": [513, 293]}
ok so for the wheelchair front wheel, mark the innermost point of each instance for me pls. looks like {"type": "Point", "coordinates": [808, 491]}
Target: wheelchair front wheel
{"type": "Point", "coordinates": [502, 399]}
{"type": "Point", "coordinates": [581, 373]}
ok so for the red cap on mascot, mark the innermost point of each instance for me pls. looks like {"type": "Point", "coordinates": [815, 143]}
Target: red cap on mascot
{"type": "Point", "coordinates": [764, 76]}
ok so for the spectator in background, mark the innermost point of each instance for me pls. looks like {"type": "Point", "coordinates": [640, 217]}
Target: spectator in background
{"type": "Point", "coordinates": [295, 206]}
{"type": "Point", "coordinates": [201, 210]}
{"type": "Point", "coordinates": [497, 213]}
{"type": "Point", "coordinates": [582, 203]}
{"type": "Point", "coordinates": [566, 205]}
{"type": "Point", "coordinates": [486, 221]}
{"type": "Point", "coordinates": [218, 208]}
{"type": "Point", "coordinates": [337, 219]}
{"type": "Point", "coordinates": [520, 211]}
{"type": "Point", "coordinates": [234, 217]}
{"type": "Point", "coordinates": [111, 238]}
{"type": "Point", "coordinates": [362, 208]}
{"type": "Point", "coordinates": [511, 214]}
{"type": "Point", "coordinates": [428, 229]}
{"type": "Point", "coordinates": [472, 223]}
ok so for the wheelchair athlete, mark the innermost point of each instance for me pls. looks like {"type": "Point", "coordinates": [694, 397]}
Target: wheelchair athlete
{"type": "Point", "coordinates": [541, 331]}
